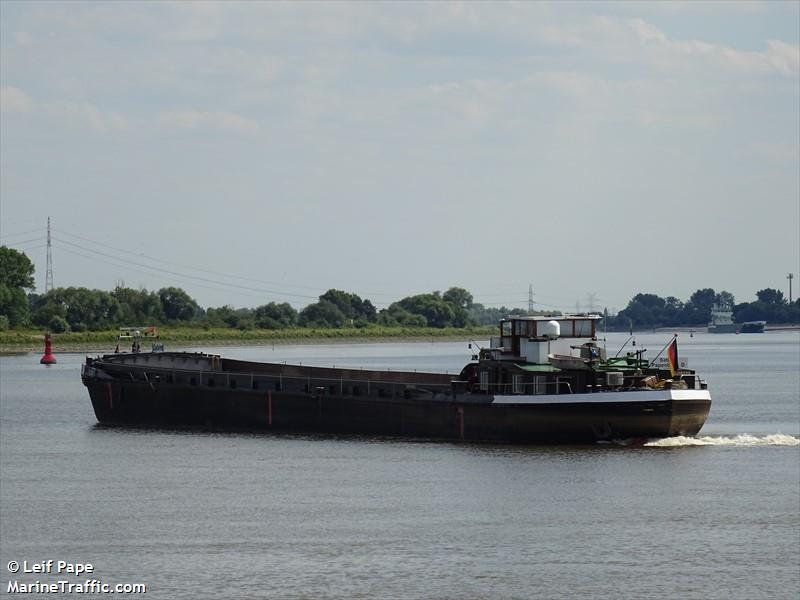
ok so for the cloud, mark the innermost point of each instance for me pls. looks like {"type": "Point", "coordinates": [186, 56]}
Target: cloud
{"type": "Point", "coordinates": [85, 114]}
{"type": "Point", "coordinates": [692, 7]}
{"type": "Point", "coordinates": [779, 57]}
{"type": "Point", "coordinates": [13, 99]}
{"type": "Point", "coordinates": [198, 120]}
{"type": "Point", "coordinates": [784, 57]}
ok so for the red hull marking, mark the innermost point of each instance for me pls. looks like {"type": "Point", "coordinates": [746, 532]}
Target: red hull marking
{"type": "Point", "coordinates": [269, 408]}
{"type": "Point", "coordinates": [110, 396]}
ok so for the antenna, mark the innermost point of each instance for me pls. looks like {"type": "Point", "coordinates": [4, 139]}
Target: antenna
{"type": "Point", "coordinates": [48, 277]}
{"type": "Point", "coordinates": [790, 276]}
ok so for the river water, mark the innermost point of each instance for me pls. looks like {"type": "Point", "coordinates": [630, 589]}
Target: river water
{"type": "Point", "coordinates": [202, 515]}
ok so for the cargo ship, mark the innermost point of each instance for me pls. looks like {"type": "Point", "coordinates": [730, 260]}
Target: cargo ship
{"type": "Point", "coordinates": [543, 380]}
{"type": "Point", "coordinates": [753, 327]}
{"type": "Point", "coordinates": [722, 319]}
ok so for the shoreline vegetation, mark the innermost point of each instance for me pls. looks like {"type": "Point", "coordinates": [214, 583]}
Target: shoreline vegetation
{"type": "Point", "coordinates": [83, 318]}
{"type": "Point", "coordinates": [32, 340]}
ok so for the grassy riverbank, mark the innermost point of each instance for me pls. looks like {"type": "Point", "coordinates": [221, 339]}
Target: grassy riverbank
{"type": "Point", "coordinates": [104, 341]}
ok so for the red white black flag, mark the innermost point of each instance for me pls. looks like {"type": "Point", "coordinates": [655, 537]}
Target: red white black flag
{"type": "Point", "coordinates": [672, 356]}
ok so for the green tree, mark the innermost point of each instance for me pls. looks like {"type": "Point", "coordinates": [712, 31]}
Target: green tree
{"type": "Point", "coordinates": [397, 316]}
{"type": "Point", "coordinates": [482, 315]}
{"type": "Point", "coordinates": [322, 314]}
{"type": "Point", "coordinates": [697, 311]}
{"type": "Point", "coordinates": [16, 275]}
{"type": "Point", "coordinates": [177, 304]}
{"type": "Point", "coordinates": [14, 305]}
{"type": "Point", "coordinates": [771, 296]}
{"type": "Point", "coordinates": [458, 297]}
{"type": "Point", "coordinates": [437, 312]}
{"type": "Point", "coordinates": [645, 310]}
{"type": "Point", "coordinates": [82, 308]}
{"type": "Point", "coordinates": [461, 301]}
{"type": "Point", "coordinates": [275, 316]}
{"type": "Point", "coordinates": [138, 307]}
{"type": "Point", "coordinates": [352, 306]}
{"type": "Point", "coordinates": [725, 299]}
{"type": "Point", "coordinates": [770, 306]}
{"type": "Point", "coordinates": [16, 269]}
{"type": "Point", "coordinates": [227, 316]}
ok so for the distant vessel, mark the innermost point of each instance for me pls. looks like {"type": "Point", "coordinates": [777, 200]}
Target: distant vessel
{"type": "Point", "coordinates": [722, 319]}
{"type": "Point", "coordinates": [753, 327]}
{"type": "Point", "coordinates": [527, 387]}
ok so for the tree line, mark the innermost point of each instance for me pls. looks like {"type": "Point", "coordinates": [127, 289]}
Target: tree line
{"type": "Point", "coordinates": [650, 310]}
{"type": "Point", "coordinates": [83, 309]}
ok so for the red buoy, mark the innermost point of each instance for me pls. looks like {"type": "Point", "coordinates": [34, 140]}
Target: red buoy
{"type": "Point", "coordinates": [47, 357]}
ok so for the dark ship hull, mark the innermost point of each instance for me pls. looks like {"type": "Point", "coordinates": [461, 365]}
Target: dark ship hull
{"type": "Point", "coordinates": [176, 390]}
{"type": "Point", "coordinates": [753, 327]}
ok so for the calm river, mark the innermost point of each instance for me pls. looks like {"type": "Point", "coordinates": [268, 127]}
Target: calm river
{"type": "Point", "coordinates": [200, 515]}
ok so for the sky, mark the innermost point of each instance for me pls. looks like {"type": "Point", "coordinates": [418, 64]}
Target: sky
{"type": "Point", "coordinates": [262, 151]}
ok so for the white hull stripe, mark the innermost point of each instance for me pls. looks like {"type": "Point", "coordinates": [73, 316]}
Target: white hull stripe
{"type": "Point", "coordinates": [606, 397]}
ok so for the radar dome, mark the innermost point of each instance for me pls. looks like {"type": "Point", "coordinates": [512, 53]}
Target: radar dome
{"type": "Point", "coordinates": [550, 330]}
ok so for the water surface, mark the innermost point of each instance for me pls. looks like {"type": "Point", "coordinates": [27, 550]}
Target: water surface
{"type": "Point", "coordinates": [202, 515]}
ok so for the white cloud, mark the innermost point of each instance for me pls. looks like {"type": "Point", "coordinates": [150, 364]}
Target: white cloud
{"type": "Point", "coordinates": [647, 33]}
{"type": "Point", "coordinates": [779, 57]}
{"type": "Point", "coordinates": [85, 114]}
{"type": "Point", "coordinates": [190, 119]}
{"type": "Point", "coordinates": [784, 57]}
{"type": "Point", "coordinates": [13, 99]}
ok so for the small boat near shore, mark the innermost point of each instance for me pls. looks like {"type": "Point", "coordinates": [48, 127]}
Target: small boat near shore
{"type": "Point", "coordinates": [542, 380]}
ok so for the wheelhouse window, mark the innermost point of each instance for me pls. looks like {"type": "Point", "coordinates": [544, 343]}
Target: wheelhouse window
{"type": "Point", "coordinates": [517, 385]}
{"type": "Point", "coordinates": [523, 328]}
{"type": "Point", "coordinates": [540, 385]}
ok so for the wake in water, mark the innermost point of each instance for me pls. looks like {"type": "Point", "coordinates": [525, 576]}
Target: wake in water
{"type": "Point", "coordinates": [775, 439]}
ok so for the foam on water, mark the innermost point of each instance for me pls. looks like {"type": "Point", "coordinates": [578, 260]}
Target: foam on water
{"type": "Point", "coordinates": [775, 439]}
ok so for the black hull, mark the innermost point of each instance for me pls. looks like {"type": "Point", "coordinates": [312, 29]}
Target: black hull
{"type": "Point", "coordinates": [117, 402]}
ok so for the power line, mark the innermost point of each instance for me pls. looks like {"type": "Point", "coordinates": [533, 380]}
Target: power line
{"type": "Point", "coordinates": [150, 269]}
{"type": "Point", "coordinates": [195, 277]}
{"type": "Point", "coordinates": [140, 255]}
{"type": "Point", "coordinates": [167, 262]}
{"type": "Point", "coordinates": [114, 264]}
{"type": "Point", "coordinates": [13, 235]}
{"type": "Point", "coordinates": [39, 239]}
{"type": "Point", "coordinates": [27, 249]}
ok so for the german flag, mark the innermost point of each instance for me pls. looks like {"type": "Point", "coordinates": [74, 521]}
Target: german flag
{"type": "Point", "coordinates": [672, 356]}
